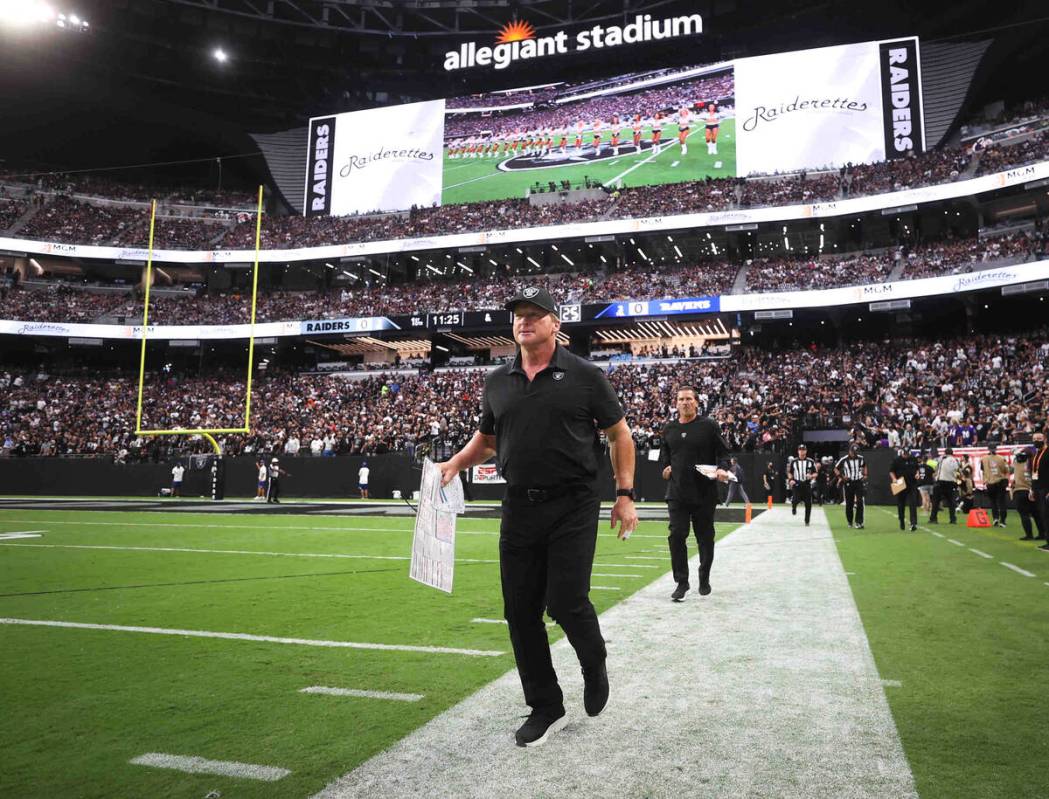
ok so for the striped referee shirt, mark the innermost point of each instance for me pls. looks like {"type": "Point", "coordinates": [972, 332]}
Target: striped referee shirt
{"type": "Point", "coordinates": [800, 469]}
{"type": "Point", "coordinates": [851, 468]}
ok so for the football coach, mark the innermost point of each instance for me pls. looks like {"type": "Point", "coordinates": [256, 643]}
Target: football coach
{"type": "Point", "coordinates": [540, 417]}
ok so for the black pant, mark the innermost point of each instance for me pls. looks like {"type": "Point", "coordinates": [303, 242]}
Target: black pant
{"type": "Point", "coordinates": [943, 493]}
{"type": "Point", "coordinates": [273, 490]}
{"type": "Point", "coordinates": [802, 493]}
{"type": "Point", "coordinates": [854, 493]}
{"type": "Point", "coordinates": [1028, 510]}
{"type": "Point", "coordinates": [701, 519]}
{"type": "Point", "coordinates": [546, 554]}
{"type": "Point", "coordinates": [999, 500]}
{"type": "Point", "coordinates": [908, 498]}
{"type": "Point", "coordinates": [1042, 509]}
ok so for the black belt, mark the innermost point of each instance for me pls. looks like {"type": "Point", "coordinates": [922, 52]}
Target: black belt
{"type": "Point", "coordinates": [538, 494]}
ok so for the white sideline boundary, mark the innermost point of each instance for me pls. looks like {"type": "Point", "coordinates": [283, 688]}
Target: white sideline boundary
{"type": "Point", "coordinates": [765, 688]}
{"type": "Point", "coordinates": [268, 639]}
{"type": "Point", "coordinates": [199, 765]}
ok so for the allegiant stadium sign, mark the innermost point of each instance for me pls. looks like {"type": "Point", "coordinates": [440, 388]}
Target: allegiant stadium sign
{"type": "Point", "coordinates": [517, 41]}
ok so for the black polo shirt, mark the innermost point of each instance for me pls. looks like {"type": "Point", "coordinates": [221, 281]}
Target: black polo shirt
{"type": "Point", "coordinates": [546, 430]}
{"type": "Point", "coordinates": [684, 447]}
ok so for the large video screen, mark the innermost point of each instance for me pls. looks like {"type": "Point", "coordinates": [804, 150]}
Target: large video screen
{"type": "Point", "coordinates": [778, 113]}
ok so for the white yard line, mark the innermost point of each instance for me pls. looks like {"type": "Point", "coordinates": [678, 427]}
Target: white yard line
{"type": "Point", "coordinates": [473, 180]}
{"type": "Point", "coordinates": [625, 565]}
{"type": "Point", "coordinates": [503, 621]}
{"type": "Point", "coordinates": [956, 543]}
{"type": "Point", "coordinates": [223, 768]}
{"type": "Point", "coordinates": [355, 692]}
{"type": "Point", "coordinates": [791, 703]}
{"type": "Point", "coordinates": [269, 639]}
{"type": "Point", "coordinates": [237, 552]}
{"type": "Point", "coordinates": [1017, 569]}
{"type": "Point", "coordinates": [605, 588]}
{"type": "Point", "coordinates": [606, 574]}
{"type": "Point", "coordinates": [981, 554]}
{"type": "Point", "coordinates": [892, 683]}
{"type": "Point", "coordinates": [22, 534]}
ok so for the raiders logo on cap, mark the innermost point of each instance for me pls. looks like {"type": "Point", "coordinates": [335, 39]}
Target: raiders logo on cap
{"type": "Point", "coordinates": [530, 292]}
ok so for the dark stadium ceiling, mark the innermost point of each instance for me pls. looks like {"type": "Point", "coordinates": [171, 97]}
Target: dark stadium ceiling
{"type": "Point", "coordinates": [142, 83]}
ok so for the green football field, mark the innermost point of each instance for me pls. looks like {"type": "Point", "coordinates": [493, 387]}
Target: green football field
{"type": "Point", "coordinates": [956, 620]}
{"type": "Point", "coordinates": [469, 180]}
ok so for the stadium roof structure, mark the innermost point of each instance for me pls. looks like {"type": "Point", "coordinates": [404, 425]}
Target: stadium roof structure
{"type": "Point", "coordinates": [142, 85]}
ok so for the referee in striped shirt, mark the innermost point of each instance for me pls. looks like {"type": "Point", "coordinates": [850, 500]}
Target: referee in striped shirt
{"type": "Point", "coordinates": [801, 474]}
{"type": "Point", "coordinates": [852, 469]}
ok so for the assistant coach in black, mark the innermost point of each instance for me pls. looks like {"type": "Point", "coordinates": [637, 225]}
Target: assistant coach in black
{"type": "Point", "coordinates": [800, 476]}
{"type": "Point", "coordinates": [540, 417]}
{"type": "Point", "coordinates": [689, 441]}
{"type": "Point", "coordinates": [852, 469]}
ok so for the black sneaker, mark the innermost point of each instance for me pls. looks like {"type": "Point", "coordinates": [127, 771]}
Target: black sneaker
{"type": "Point", "coordinates": [539, 725]}
{"type": "Point", "coordinates": [704, 587]}
{"type": "Point", "coordinates": [595, 689]}
{"type": "Point", "coordinates": [914, 528]}
{"type": "Point", "coordinates": [679, 592]}
{"type": "Point", "coordinates": [1044, 548]}
{"type": "Point", "coordinates": [859, 526]}
{"type": "Point", "coordinates": [1027, 538]}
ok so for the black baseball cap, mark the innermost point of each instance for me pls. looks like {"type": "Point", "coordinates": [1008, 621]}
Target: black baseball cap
{"type": "Point", "coordinates": [534, 294]}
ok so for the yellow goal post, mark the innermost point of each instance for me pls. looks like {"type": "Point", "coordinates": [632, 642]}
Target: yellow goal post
{"type": "Point", "coordinates": [208, 433]}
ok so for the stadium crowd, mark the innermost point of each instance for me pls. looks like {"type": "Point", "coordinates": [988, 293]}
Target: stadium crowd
{"type": "Point", "coordinates": [916, 393]}
{"type": "Point", "coordinates": [10, 211]}
{"type": "Point", "coordinates": [72, 221]}
{"type": "Point", "coordinates": [60, 302]}
{"type": "Point", "coordinates": [646, 102]}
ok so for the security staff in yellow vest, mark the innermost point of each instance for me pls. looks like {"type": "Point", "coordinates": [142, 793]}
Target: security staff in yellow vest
{"type": "Point", "coordinates": [1023, 493]}
{"type": "Point", "coordinates": [943, 489]}
{"type": "Point", "coordinates": [996, 478]}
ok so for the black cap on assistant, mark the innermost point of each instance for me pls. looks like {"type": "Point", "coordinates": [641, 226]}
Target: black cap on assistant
{"type": "Point", "coordinates": [535, 295]}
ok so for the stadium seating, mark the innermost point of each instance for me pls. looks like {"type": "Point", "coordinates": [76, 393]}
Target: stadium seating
{"type": "Point", "coordinates": [918, 393]}
{"type": "Point", "coordinates": [59, 302]}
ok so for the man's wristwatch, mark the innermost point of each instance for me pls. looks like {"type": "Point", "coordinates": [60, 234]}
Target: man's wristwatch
{"type": "Point", "coordinates": [625, 492]}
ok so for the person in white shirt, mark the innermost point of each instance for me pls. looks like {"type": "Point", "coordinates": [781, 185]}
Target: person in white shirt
{"type": "Point", "coordinates": [260, 495]}
{"type": "Point", "coordinates": [176, 480]}
{"type": "Point", "coordinates": [316, 447]}
{"type": "Point", "coordinates": [362, 479]}
{"type": "Point", "coordinates": [292, 445]}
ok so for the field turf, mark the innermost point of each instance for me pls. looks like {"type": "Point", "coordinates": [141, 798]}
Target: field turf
{"type": "Point", "coordinates": [966, 637]}
{"type": "Point", "coordinates": [963, 634]}
{"type": "Point", "coordinates": [79, 704]}
{"type": "Point", "coordinates": [468, 180]}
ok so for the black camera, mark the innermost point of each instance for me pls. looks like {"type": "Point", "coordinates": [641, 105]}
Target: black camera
{"type": "Point", "coordinates": [1021, 456]}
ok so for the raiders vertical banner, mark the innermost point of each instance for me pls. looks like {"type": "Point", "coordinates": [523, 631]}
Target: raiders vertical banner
{"type": "Point", "coordinates": [317, 198]}
{"type": "Point", "coordinates": [901, 98]}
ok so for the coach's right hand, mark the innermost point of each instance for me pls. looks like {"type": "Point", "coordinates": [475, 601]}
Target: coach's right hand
{"type": "Point", "coordinates": [666, 473]}
{"type": "Point", "coordinates": [448, 472]}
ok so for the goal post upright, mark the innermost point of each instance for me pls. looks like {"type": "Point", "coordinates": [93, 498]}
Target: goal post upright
{"type": "Point", "coordinates": [206, 432]}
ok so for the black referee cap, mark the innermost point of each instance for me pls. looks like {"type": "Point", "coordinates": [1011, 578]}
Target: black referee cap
{"type": "Point", "coordinates": [535, 295]}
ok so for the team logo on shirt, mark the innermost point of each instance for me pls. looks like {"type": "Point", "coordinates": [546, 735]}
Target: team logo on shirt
{"type": "Point", "coordinates": [559, 375]}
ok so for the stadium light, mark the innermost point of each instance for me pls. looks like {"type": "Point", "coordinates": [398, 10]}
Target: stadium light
{"type": "Point", "coordinates": [22, 13]}
{"type": "Point", "coordinates": [220, 55]}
